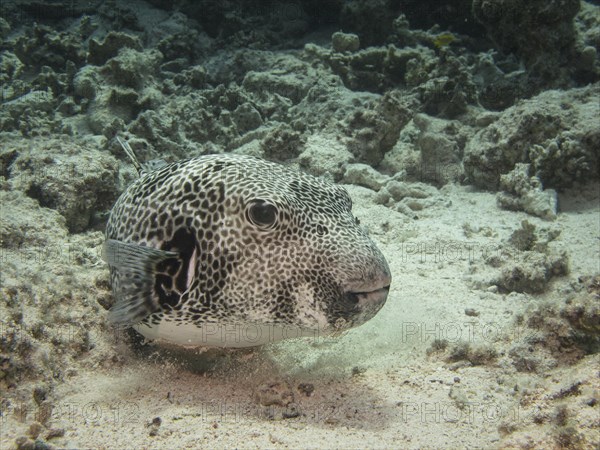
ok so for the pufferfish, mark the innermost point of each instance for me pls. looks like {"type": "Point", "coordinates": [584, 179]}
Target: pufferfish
{"type": "Point", "coordinates": [230, 250]}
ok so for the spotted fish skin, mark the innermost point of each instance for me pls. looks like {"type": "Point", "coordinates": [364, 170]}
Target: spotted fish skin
{"type": "Point", "coordinates": [231, 250]}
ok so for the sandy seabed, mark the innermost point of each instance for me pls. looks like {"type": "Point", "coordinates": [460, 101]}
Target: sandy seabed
{"type": "Point", "coordinates": [473, 168]}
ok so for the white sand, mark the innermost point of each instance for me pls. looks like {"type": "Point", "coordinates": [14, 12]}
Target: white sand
{"type": "Point", "coordinates": [397, 397]}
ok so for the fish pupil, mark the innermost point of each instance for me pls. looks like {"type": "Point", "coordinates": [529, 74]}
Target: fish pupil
{"type": "Point", "coordinates": [262, 213]}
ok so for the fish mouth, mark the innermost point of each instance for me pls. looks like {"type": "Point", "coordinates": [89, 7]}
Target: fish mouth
{"type": "Point", "coordinates": [361, 302]}
{"type": "Point", "coordinates": [368, 296]}
{"type": "Point", "coordinates": [367, 299]}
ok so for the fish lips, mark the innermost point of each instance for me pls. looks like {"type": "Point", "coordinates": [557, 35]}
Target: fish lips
{"type": "Point", "coordinates": [367, 298]}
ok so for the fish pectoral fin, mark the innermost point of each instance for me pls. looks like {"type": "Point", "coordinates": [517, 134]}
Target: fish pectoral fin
{"type": "Point", "coordinates": [136, 266]}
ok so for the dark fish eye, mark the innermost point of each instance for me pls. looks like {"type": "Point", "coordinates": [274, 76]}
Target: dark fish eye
{"type": "Point", "coordinates": [262, 214]}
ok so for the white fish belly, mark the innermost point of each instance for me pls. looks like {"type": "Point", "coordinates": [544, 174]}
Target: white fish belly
{"type": "Point", "coordinates": [222, 335]}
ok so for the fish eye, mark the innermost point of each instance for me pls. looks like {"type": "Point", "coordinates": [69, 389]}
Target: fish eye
{"type": "Point", "coordinates": [262, 214]}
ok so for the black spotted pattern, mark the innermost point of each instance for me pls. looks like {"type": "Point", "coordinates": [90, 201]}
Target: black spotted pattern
{"type": "Point", "coordinates": [299, 270]}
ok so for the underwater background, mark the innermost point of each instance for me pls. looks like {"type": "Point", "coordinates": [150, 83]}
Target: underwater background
{"type": "Point", "coordinates": [467, 133]}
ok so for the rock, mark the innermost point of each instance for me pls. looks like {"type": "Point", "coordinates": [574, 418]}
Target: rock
{"type": "Point", "coordinates": [131, 67]}
{"type": "Point", "coordinates": [537, 203]}
{"type": "Point", "coordinates": [41, 445]}
{"type": "Point", "coordinates": [441, 143]}
{"type": "Point", "coordinates": [324, 155]}
{"type": "Point", "coordinates": [11, 68]}
{"type": "Point", "coordinates": [555, 132]}
{"type": "Point", "coordinates": [35, 429]}
{"type": "Point", "coordinates": [588, 57]}
{"type": "Point", "coordinates": [63, 175]}
{"type": "Point", "coordinates": [246, 118]}
{"type": "Point", "coordinates": [472, 312]}
{"type": "Point", "coordinates": [274, 394]}
{"type": "Point", "coordinates": [24, 223]}
{"type": "Point", "coordinates": [373, 69]}
{"type": "Point", "coordinates": [307, 389]}
{"type": "Point", "coordinates": [104, 122]}
{"type": "Point", "coordinates": [525, 193]}
{"type": "Point", "coordinates": [194, 77]}
{"type": "Point", "coordinates": [524, 238]}
{"type": "Point", "coordinates": [383, 197]}
{"type": "Point", "coordinates": [531, 271]}
{"type": "Point", "coordinates": [44, 413]}
{"type": "Point", "coordinates": [400, 190]}
{"type": "Point", "coordinates": [68, 107]}
{"type": "Point", "coordinates": [40, 393]}
{"type": "Point", "coordinates": [360, 17]}
{"type": "Point", "coordinates": [374, 130]}
{"type": "Point", "coordinates": [364, 175]}
{"type": "Point", "coordinates": [182, 42]}
{"type": "Point", "coordinates": [54, 433]}
{"type": "Point", "coordinates": [24, 443]}
{"type": "Point", "coordinates": [408, 205]}
{"type": "Point", "coordinates": [327, 107]}
{"type": "Point", "coordinates": [42, 45]}
{"type": "Point", "coordinates": [282, 143]}
{"type": "Point", "coordinates": [446, 85]}
{"type": "Point", "coordinates": [175, 66]}
{"type": "Point", "coordinates": [86, 82]}
{"type": "Point", "coordinates": [4, 28]}
{"type": "Point", "coordinates": [33, 101]}
{"type": "Point", "coordinates": [541, 33]}
{"type": "Point", "coordinates": [345, 42]}
{"type": "Point", "coordinates": [113, 42]}
{"type": "Point", "coordinates": [288, 85]}
{"type": "Point", "coordinates": [528, 260]}
{"type": "Point", "coordinates": [118, 92]}
{"type": "Point", "coordinates": [587, 23]}
{"type": "Point", "coordinates": [154, 426]}
{"type": "Point", "coordinates": [559, 331]}
{"type": "Point", "coordinates": [404, 159]}
{"type": "Point", "coordinates": [251, 147]}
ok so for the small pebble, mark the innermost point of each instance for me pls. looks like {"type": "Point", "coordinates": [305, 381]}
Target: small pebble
{"type": "Point", "coordinates": [24, 443]}
{"type": "Point", "coordinates": [471, 312]}
{"type": "Point", "coordinates": [55, 433]}
{"type": "Point", "coordinates": [34, 430]}
{"type": "Point", "coordinates": [156, 421]}
{"type": "Point", "coordinates": [41, 445]}
{"type": "Point", "coordinates": [306, 388]}
{"type": "Point", "coordinates": [357, 370]}
{"type": "Point", "coordinates": [39, 394]}
{"type": "Point", "coordinates": [274, 393]}
{"type": "Point", "coordinates": [291, 411]}
{"type": "Point", "coordinates": [331, 421]}
{"type": "Point", "coordinates": [154, 425]}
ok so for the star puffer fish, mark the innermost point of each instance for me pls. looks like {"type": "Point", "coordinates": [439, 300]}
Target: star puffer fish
{"type": "Point", "coordinates": [234, 251]}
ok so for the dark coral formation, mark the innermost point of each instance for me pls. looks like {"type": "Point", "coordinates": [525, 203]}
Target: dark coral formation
{"type": "Point", "coordinates": [540, 32]}
{"type": "Point", "coordinates": [109, 71]}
